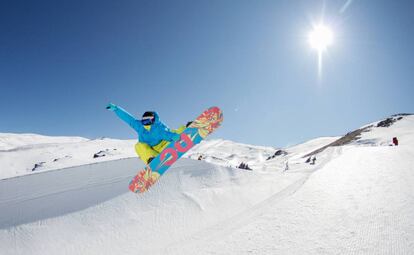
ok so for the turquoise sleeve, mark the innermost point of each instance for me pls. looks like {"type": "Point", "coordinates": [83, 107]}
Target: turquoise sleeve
{"type": "Point", "coordinates": [128, 118]}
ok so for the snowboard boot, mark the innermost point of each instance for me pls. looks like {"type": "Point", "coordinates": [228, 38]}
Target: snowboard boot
{"type": "Point", "coordinates": [149, 160]}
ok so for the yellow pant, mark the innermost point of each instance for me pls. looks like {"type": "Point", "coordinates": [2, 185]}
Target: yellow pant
{"type": "Point", "coordinates": [146, 152]}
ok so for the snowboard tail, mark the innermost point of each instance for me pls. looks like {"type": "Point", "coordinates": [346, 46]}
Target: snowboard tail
{"type": "Point", "coordinates": [201, 127]}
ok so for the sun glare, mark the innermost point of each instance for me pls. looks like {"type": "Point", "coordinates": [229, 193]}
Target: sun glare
{"type": "Point", "coordinates": [320, 37]}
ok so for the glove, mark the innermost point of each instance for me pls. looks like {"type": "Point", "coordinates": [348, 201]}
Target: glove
{"type": "Point", "coordinates": [111, 107]}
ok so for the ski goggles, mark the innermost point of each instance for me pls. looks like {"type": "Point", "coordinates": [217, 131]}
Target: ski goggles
{"type": "Point", "coordinates": [148, 120]}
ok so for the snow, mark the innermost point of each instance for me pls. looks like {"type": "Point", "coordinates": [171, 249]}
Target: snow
{"type": "Point", "coordinates": [379, 136]}
{"type": "Point", "coordinates": [353, 205]}
{"type": "Point", "coordinates": [231, 154]}
{"type": "Point", "coordinates": [356, 199]}
{"type": "Point", "coordinates": [20, 153]}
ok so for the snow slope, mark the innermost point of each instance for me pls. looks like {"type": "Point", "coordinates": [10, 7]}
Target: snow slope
{"type": "Point", "coordinates": [357, 198]}
{"type": "Point", "coordinates": [259, 158]}
{"type": "Point", "coordinates": [22, 154]}
{"type": "Point", "coordinates": [53, 193]}
{"type": "Point", "coordinates": [362, 202]}
{"type": "Point", "coordinates": [192, 196]}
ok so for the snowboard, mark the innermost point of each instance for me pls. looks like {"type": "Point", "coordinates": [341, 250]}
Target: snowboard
{"type": "Point", "coordinates": [199, 129]}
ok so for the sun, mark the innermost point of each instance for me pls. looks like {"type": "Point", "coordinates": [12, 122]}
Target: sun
{"type": "Point", "coordinates": [320, 37]}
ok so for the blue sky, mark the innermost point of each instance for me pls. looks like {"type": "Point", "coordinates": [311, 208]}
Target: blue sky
{"type": "Point", "coordinates": [61, 62]}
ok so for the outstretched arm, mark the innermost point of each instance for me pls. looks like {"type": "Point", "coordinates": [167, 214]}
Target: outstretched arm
{"type": "Point", "coordinates": [125, 116]}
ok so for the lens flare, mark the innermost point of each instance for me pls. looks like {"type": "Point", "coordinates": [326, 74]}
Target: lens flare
{"type": "Point", "coordinates": [320, 37]}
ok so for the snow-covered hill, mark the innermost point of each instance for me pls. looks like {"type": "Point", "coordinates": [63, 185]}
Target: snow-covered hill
{"type": "Point", "coordinates": [22, 154]}
{"type": "Point", "coordinates": [355, 198]}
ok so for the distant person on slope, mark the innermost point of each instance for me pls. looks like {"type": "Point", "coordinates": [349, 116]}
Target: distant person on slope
{"type": "Point", "coordinates": [153, 135]}
{"type": "Point", "coordinates": [395, 141]}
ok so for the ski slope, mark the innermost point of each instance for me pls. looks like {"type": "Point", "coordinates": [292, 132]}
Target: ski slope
{"type": "Point", "coordinates": [22, 154]}
{"type": "Point", "coordinates": [357, 198]}
{"type": "Point", "coordinates": [192, 196]}
{"type": "Point", "coordinates": [48, 194]}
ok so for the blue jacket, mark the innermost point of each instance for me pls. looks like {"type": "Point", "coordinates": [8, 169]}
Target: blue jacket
{"type": "Point", "coordinates": [158, 132]}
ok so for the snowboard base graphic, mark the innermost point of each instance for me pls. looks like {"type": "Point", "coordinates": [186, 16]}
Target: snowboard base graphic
{"type": "Point", "coordinates": [201, 127]}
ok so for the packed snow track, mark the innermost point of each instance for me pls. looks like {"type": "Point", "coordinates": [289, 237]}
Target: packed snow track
{"type": "Point", "coordinates": [90, 206]}
{"type": "Point", "coordinates": [43, 195]}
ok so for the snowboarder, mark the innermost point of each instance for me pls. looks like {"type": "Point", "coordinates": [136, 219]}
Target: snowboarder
{"type": "Point", "coordinates": [395, 141]}
{"type": "Point", "coordinates": [153, 135]}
